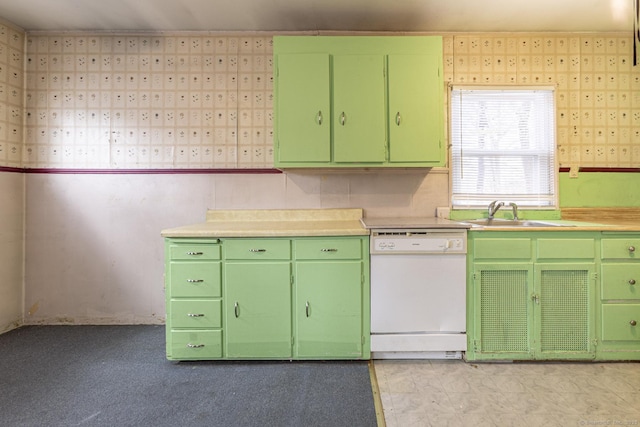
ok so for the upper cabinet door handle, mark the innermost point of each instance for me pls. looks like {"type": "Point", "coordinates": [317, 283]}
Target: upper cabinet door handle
{"type": "Point", "coordinates": [398, 118]}
{"type": "Point", "coordinates": [319, 118]}
{"type": "Point", "coordinates": [343, 118]}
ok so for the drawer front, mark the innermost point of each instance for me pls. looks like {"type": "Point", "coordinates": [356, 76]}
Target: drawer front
{"type": "Point", "coordinates": [621, 248]}
{"type": "Point", "coordinates": [620, 322]}
{"type": "Point", "coordinates": [621, 281]}
{"type": "Point", "coordinates": [502, 248]}
{"type": "Point", "coordinates": [194, 279]}
{"type": "Point", "coordinates": [196, 314]}
{"type": "Point", "coordinates": [195, 251]}
{"type": "Point", "coordinates": [196, 344]}
{"type": "Point", "coordinates": [251, 249]}
{"type": "Point", "coordinates": [322, 249]}
{"type": "Point", "coordinates": [567, 248]}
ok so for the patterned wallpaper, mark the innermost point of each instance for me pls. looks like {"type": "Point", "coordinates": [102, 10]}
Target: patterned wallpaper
{"type": "Point", "coordinates": [11, 95]}
{"type": "Point", "coordinates": [140, 101]}
{"type": "Point", "coordinates": [598, 89]}
{"type": "Point", "coordinates": [204, 100]}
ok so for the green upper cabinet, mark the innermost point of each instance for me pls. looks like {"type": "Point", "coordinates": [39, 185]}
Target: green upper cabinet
{"type": "Point", "coordinates": [306, 110]}
{"type": "Point", "coordinates": [415, 109]}
{"type": "Point", "coordinates": [358, 101]}
{"type": "Point", "coordinates": [359, 114]}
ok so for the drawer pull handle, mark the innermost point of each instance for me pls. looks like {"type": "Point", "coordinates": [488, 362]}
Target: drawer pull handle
{"type": "Point", "coordinates": [195, 253]}
{"type": "Point", "coordinates": [632, 281]}
{"type": "Point", "coordinates": [632, 323]}
{"type": "Point", "coordinates": [632, 248]}
{"type": "Point", "coordinates": [195, 315]}
{"type": "Point", "coordinates": [306, 308]}
{"type": "Point", "coordinates": [195, 280]}
{"type": "Point", "coordinates": [257, 250]}
{"type": "Point", "coordinates": [236, 309]}
{"type": "Point", "coordinates": [195, 345]}
{"type": "Point", "coordinates": [329, 250]}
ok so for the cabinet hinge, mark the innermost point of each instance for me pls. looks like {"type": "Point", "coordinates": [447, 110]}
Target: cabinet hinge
{"type": "Point", "coordinates": [291, 281]}
{"type": "Point", "coordinates": [595, 342]}
{"type": "Point", "coordinates": [476, 345]}
{"type": "Point", "coordinates": [595, 276]}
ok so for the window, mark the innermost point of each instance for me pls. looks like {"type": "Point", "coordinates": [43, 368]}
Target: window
{"type": "Point", "coordinates": [503, 147]}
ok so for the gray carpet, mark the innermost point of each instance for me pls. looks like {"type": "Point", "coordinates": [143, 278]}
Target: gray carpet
{"type": "Point", "coordinates": [118, 376]}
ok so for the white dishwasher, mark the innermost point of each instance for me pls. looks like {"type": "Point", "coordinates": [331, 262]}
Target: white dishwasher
{"type": "Point", "coordinates": [418, 293]}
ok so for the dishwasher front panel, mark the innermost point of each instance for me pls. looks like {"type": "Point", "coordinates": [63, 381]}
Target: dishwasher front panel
{"type": "Point", "coordinates": [418, 294]}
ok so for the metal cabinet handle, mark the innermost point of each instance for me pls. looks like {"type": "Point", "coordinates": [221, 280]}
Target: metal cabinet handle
{"type": "Point", "coordinates": [195, 314]}
{"type": "Point", "coordinates": [398, 118]}
{"type": "Point", "coordinates": [343, 118]}
{"type": "Point", "coordinates": [632, 248]}
{"type": "Point", "coordinates": [319, 118]}
{"type": "Point", "coordinates": [195, 345]}
{"type": "Point", "coordinates": [632, 281]}
{"type": "Point", "coordinates": [306, 308]}
{"type": "Point", "coordinates": [535, 298]}
{"type": "Point", "coordinates": [195, 253]}
{"type": "Point", "coordinates": [329, 250]}
{"type": "Point", "coordinates": [257, 250]}
{"type": "Point", "coordinates": [195, 280]}
{"type": "Point", "coordinates": [236, 309]}
{"type": "Point", "coordinates": [632, 323]}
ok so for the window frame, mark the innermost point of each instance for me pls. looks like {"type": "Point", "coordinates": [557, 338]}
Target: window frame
{"type": "Point", "coordinates": [483, 202]}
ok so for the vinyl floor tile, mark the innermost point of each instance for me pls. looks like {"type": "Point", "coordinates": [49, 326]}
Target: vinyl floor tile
{"type": "Point", "coordinates": [456, 393]}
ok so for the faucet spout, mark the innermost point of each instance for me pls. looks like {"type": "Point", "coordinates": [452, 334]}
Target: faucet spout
{"type": "Point", "coordinates": [514, 207]}
{"type": "Point", "coordinates": [493, 208]}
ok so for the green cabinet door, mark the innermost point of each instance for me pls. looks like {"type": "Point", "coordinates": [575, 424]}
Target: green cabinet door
{"type": "Point", "coordinates": [328, 309]}
{"type": "Point", "coordinates": [359, 115]}
{"type": "Point", "coordinates": [415, 109]}
{"type": "Point", "coordinates": [564, 323]}
{"type": "Point", "coordinates": [502, 325]}
{"type": "Point", "coordinates": [303, 116]}
{"type": "Point", "coordinates": [257, 299]}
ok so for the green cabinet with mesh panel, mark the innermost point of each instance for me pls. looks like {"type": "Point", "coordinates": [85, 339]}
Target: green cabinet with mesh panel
{"type": "Point", "coordinates": [531, 295]}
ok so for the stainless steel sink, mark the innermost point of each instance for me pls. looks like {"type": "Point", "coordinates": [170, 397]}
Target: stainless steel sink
{"type": "Point", "coordinates": [497, 222]}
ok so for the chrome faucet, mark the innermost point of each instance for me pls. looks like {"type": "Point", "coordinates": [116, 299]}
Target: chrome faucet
{"type": "Point", "coordinates": [493, 208]}
{"type": "Point", "coordinates": [514, 207]}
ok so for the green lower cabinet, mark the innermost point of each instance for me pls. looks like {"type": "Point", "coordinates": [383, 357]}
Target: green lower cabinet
{"type": "Point", "coordinates": [620, 297]}
{"type": "Point", "coordinates": [328, 310]}
{"type": "Point", "coordinates": [257, 310]}
{"type": "Point", "coordinates": [531, 296]}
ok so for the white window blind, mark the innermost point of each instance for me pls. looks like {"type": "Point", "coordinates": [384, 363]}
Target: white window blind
{"type": "Point", "coordinates": [503, 147]}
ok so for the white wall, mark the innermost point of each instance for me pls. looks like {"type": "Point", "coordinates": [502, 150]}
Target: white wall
{"type": "Point", "coordinates": [93, 248]}
{"type": "Point", "coordinates": [11, 249]}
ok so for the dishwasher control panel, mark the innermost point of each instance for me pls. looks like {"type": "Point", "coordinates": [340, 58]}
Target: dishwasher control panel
{"type": "Point", "coordinates": [418, 241]}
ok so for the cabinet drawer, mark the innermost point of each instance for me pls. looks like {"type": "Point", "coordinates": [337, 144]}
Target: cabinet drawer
{"type": "Point", "coordinates": [322, 249]}
{"type": "Point", "coordinates": [621, 281]}
{"type": "Point", "coordinates": [190, 279]}
{"type": "Point", "coordinates": [196, 344]}
{"type": "Point", "coordinates": [567, 248]}
{"type": "Point", "coordinates": [257, 249]}
{"type": "Point", "coordinates": [512, 248]}
{"type": "Point", "coordinates": [195, 251]}
{"type": "Point", "coordinates": [196, 314]}
{"type": "Point", "coordinates": [620, 322]}
{"type": "Point", "coordinates": [621, 248]}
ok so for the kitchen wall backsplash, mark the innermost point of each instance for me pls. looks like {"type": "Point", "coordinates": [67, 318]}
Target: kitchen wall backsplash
{"type": "Point", "coordinates": [204, 100]}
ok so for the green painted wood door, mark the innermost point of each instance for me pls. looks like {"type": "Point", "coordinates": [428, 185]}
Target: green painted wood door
{"type": "Point", "coordinates": [257, 309]}
{"type": "Point", "coordinates": [415, 109]}
{"type": "Point", "coordinates": [359, 116]}
{"type": "Point", "coordinates": [303, 112]}
{"type": "Point", "coordinates": [328, 309]}
{"type": "Point", "coordinates": [564, 320]}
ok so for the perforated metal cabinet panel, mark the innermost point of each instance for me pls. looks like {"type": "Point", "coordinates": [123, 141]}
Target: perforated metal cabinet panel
{"type": "Point", "coordinates": [504, 308]}
{"type": "Point", "coordinates": [564, 308]}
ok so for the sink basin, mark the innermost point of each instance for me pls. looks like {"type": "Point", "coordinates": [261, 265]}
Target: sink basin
{"type": "Point", "coordinates": [496, 222]}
